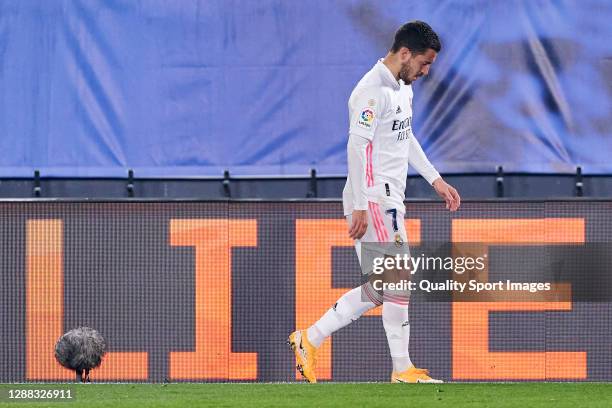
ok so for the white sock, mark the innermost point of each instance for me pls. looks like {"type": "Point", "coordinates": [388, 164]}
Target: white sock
{"type": "Point", "coordinates": [347, 309]}
{"type": "Point", "coordinates": [397, 328]}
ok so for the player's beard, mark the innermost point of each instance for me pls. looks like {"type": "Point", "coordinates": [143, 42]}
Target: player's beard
{"type": "Point", "coordinates": [406, 73]}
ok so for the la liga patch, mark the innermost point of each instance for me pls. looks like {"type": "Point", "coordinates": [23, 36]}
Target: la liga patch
{"type": "Point", "coordinates": [366, 118]}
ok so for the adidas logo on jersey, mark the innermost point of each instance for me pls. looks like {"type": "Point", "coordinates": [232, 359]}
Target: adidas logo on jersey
{"type": "Point", "coordinates": [398, 110]}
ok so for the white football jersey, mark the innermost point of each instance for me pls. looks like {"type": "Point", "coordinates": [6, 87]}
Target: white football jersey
{"type": "Point", "coordinates": [381, 142]}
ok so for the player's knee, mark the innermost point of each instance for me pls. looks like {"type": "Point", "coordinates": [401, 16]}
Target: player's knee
{"type": "Point", "coordinates": [399, 297]}
{"type": "Point", "coordinates": [370, 293]}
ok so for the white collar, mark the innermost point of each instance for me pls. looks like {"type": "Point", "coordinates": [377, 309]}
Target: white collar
{"type": "Point", "coordinates": [388, 75]}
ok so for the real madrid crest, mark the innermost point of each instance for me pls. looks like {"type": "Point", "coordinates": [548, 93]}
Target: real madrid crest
{"type": "Point", "coordinates": [398, 240]}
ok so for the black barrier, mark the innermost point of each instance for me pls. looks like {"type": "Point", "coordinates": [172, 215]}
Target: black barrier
{"type": "Point", "coordinates": [209, 290]}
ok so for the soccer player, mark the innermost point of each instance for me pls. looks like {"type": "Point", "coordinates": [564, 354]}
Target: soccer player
{"type": "Point", "coordinates": [380, 148]}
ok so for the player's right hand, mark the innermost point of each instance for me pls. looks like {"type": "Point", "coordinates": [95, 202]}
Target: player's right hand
{"type": "Point", "coordinates": [359, 224]}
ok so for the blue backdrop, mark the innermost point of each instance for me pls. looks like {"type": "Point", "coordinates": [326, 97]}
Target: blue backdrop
{"type": "Point", "coordinates": [190, 88]}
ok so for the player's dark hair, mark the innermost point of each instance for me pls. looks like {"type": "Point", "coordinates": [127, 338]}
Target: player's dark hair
{"type": "Point", "coordinates": [417, 36]}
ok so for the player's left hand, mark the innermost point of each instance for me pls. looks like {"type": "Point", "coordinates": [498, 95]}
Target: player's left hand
{"type": "Point", "coordinates": [448, 193]}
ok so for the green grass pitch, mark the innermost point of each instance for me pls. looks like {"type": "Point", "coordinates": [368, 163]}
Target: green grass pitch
{"type": "Point", "coordinates": [302, 395]}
